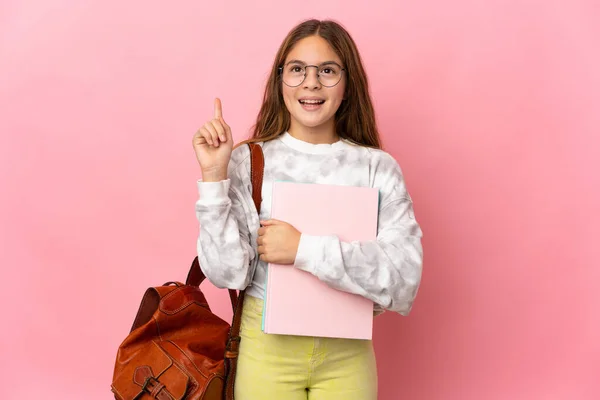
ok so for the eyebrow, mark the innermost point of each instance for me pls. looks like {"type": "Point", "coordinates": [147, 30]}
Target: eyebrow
{"type": "Point", "coordinates": [303, 63]}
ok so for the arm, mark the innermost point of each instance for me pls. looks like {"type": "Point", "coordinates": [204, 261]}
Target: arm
{"type": "Point", "coordinates": [387, 270]}
{"type": "Point", "coordinates": [224, 250]}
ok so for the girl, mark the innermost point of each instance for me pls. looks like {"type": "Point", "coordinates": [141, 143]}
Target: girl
{"type": "Point", "coordinates": [316, 125]}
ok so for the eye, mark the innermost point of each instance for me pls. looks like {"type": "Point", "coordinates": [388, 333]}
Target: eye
{"type": "Point", "coordinates": [329, 70]}
{"type": "Point", "coordinates": [296, 68]}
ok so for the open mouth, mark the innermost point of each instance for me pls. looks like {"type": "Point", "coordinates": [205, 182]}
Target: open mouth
{"type": "Point", "coordinates": [311, 105]}
{"type": "Point", "coordinates": [312, 102]}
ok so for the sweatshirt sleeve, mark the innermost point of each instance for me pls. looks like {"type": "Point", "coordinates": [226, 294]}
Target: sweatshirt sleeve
{"type": "Point", "coordinates": [224, 250]}
{"type": "Point", "coordinates": [387, 270]}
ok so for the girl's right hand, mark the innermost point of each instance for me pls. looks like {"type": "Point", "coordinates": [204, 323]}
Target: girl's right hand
{"type": "Point", "coordinates": [213, 144]}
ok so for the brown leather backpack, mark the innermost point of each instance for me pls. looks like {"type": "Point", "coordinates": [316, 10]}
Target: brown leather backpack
{"type": "Point", "coordinates": [177, 348]}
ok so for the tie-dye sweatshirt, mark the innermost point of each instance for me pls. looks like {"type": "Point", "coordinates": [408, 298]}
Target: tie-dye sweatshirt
{"type": "Point", "coordinates": [386, 271]}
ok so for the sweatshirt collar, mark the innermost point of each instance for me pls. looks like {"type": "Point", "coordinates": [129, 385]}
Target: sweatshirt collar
{"type": "Point", "coordinates": [311, 148]}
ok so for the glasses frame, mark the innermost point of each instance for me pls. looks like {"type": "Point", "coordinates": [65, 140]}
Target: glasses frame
{"type": "Point", "coordinates": [318, 74]}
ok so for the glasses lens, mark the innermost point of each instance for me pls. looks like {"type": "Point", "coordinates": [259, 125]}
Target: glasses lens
{"type": "Point", "coordinates": [330, 75]}
{"type": "Point", "coordinates": [293, 74]}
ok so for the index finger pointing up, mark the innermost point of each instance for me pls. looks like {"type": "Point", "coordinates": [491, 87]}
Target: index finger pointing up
{"type": "Point", "coordinates": [218, 109]}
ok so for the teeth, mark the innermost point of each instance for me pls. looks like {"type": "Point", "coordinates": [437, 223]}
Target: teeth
{"type": "Point", "coordinates": [312, 101]}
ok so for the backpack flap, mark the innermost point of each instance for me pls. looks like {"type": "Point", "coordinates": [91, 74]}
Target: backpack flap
{"type": "Point", "coordinates": [152, 373]}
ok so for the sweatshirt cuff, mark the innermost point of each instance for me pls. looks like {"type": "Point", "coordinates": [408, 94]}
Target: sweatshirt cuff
{"type": "Point", "coordinates": [213, 192]}
{"type": "Point", "coordinates": [309, 250]}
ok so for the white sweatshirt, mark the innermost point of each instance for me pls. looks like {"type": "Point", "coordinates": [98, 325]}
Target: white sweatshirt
{"type": "Point", "coordinates": [386, 271]}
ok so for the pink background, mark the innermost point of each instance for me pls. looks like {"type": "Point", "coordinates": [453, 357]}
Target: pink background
{"type": "Point", "coordinates": [491, 108]}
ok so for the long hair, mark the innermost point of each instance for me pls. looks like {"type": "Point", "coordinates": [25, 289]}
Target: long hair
{"type": "Point", "coordinates": [355, 118]}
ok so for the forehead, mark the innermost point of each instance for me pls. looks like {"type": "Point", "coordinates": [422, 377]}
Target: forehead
{"type": "Point", "coordinates": [313, 50]}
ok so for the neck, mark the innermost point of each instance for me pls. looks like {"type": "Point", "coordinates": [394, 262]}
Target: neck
{"type": "Point", "coordinates": [316, 135]}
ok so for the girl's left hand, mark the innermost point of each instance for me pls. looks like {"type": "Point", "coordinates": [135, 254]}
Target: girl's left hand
{"type": "Point", "coordinates": [278, 242]}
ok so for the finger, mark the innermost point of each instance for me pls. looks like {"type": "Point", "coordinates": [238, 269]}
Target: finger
{"type": "Point", "coordinates": [218, 108]}
{"type": "Point", "coordinates": [260, 241]}
{"type": "Point", "coordinates": [263, 258]}
{"type": "Point", "coordinates": [213, 133]}
{"type": "Point", "coordinates": [199, 137]}
{"type": "Point", "coordinates": [262, 231]}
{"type": "Point", "coordinates": [206, 136]}
{"type": "Point", "coordinates": [220, 129]}
{"type": "Point", "coordinates": [261, 249]}
{"type": "Point", "coordinates": [227, 129]}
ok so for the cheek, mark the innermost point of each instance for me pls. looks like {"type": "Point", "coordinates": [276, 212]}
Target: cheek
{"type": "Point", "coordinates": [288, 96]}
{"type": "Point", "coordinates": [338, 96]}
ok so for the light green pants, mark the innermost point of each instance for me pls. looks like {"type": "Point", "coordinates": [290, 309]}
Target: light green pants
{"type": "Point", "coordinates": [299, 367]}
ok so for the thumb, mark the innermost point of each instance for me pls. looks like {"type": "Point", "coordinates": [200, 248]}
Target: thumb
{"type": "Point", "coordinates": [270, 222]}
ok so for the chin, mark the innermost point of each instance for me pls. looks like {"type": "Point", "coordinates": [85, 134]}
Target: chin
{"type": "Point", "coordinates": [311, 123]}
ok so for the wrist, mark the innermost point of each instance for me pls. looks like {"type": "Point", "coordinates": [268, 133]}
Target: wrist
{"type": "Point", "coordinates": [214, 175]}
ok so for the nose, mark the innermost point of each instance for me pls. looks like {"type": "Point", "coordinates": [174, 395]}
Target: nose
{"type": "Point", "coordinates": [311, 81]}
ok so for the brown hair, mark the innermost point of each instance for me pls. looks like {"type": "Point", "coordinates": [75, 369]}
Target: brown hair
{"type": "Point", "coordinates": [355, 118]}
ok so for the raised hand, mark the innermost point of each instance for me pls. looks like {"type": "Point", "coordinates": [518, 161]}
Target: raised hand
{"type": "Point", "coordinates": [213, 144]}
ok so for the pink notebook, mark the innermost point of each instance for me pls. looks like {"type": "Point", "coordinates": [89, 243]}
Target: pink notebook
{"type": "Point", "coordinates": [297, 302]}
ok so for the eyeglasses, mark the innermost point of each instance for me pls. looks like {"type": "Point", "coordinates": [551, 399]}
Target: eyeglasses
{"type": "Point", "coordinates": [293, 73]}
